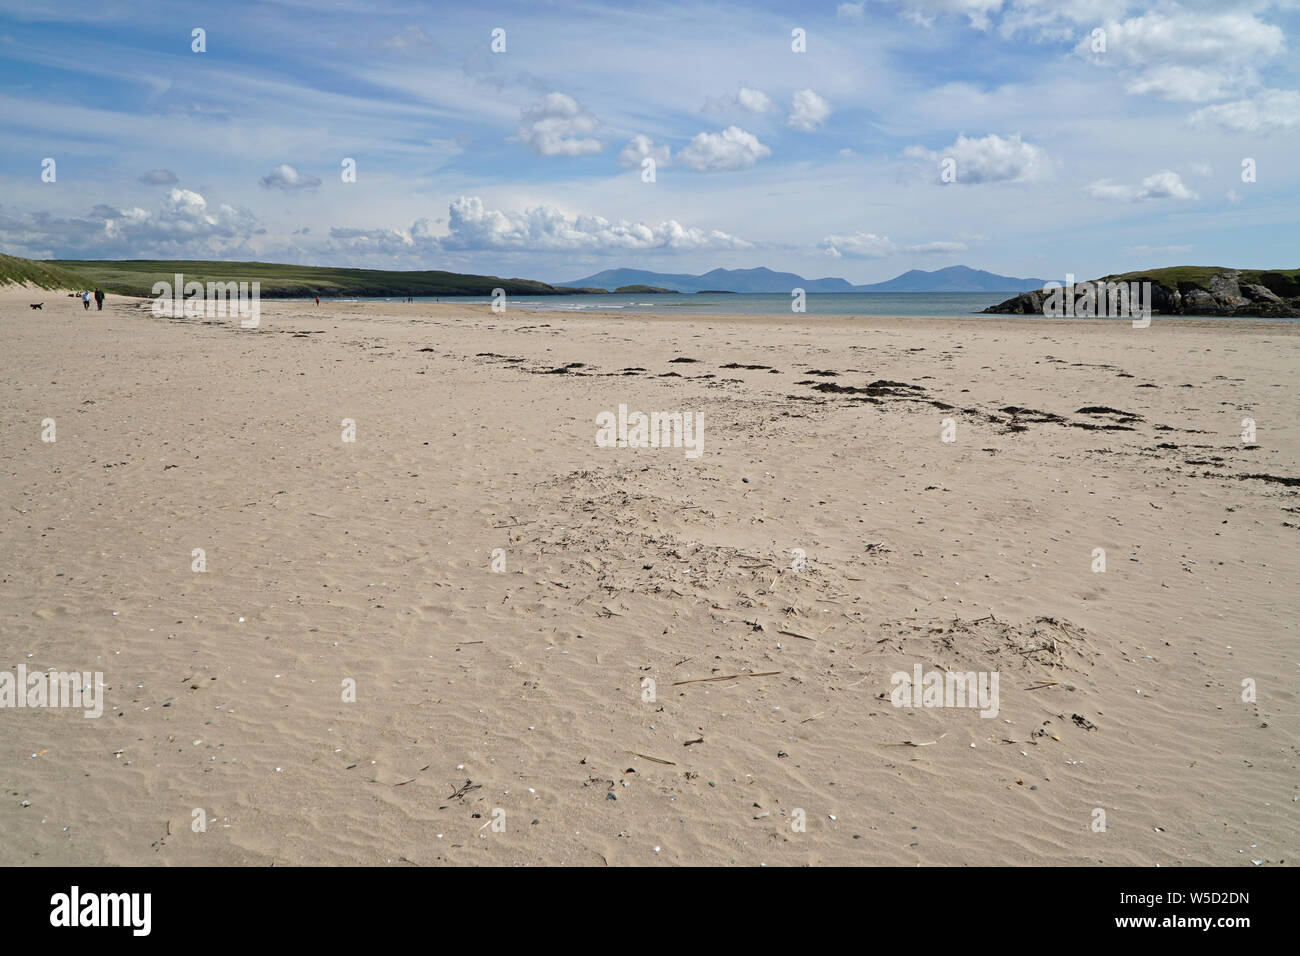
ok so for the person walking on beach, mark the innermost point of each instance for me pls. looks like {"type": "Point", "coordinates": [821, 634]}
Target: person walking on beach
{"type": "Point", "coordinates": [85, 300]}
{"type": "Point", "coordinates": [318, 300]}
{"type": "Point", "coordinates": [99, 300]}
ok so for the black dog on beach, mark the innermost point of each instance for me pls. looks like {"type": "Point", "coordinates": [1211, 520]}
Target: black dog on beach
{"type": "Point", "coordinates": [36, 306]}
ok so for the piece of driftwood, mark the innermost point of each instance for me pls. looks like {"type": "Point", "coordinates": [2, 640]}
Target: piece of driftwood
{"type": "Point", "coordinates": [701, 680]}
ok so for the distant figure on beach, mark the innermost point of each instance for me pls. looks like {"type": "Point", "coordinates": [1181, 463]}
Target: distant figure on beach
{"type": "Point", "coordinates": [318, 300]}
{"type": "Point", "coordinates": [99, 300]}
{"type": "Point", "coordinates": [85, 300]}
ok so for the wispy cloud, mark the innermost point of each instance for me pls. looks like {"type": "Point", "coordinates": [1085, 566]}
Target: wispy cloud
{"type": "Point", "coordinates": [1272, 111]}
{"type": "Point", "coordinates": [866, 245]}
{"type": "Point", "coordinates": [1165, 184]}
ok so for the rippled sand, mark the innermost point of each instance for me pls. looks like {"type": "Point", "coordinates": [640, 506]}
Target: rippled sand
{"type": "Point", "coordinates": [332, 564]}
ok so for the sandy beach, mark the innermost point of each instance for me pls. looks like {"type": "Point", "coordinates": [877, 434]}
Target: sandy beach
{"type": "Point", "coordinates": [348, 679]}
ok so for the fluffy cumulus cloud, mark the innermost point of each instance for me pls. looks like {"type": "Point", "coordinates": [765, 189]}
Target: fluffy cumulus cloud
{"type": "Point", "coordinates": [288, 179]}
{"type": "Point", "coordinates": [421, 237]}
{"type": "Point", "coordinates": [1270, 111]}
{"type": "Point", "coordinates": [1185, 56]}
{"type": "Point", "coordinates": [808, 111]}
{"type": "Point", "coordinates": [640, 147]}
{"type": "Point", "coordinates": [754, 101]}
{"type": "Point", "coordinates": [184, 226]}
{"type": "Point", "coordinates": [1165, 184]}
{"type": "Point", "coordinates": [184, 215]}
{"type": "Point", "coordinates": [475, 227]}
{"type": "Point", "coordinates": [990, 159]}
{"type": "Point", "coordinates": [868, 245]}
{"type": "Point", "coordinates": [746, 99]}
{"type": "Point", "coordinates": [731, 149]}
{"type": "Point", "coordinates": [1183, 36]}
{"type": "Point", "coordinates": [557, 125]}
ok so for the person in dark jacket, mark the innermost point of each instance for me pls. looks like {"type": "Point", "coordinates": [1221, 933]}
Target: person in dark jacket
{"type": "Point", "coordinates": [99, 300]}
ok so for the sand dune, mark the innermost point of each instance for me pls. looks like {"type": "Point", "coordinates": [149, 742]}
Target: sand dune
{"type": "Point", "coordinates": [522, 690]}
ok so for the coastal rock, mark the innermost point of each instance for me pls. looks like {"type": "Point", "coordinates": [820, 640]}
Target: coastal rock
{"type": "Point", "coordinates": [1193, 292]}
{"type": "Point", "coordinates": [1257, 293]}
{"type": "Point", "coordinates": [1224, 288]}
{"type": "Point", "coordinates": [1198, 301]}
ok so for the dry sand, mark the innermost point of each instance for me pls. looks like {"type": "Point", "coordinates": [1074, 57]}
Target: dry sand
{"type": "Point", "coordinates": [372, 561]}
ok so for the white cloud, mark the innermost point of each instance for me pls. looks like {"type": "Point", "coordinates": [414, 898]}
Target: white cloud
{"type": "Point", "coordinates": [755, 101]}
{"type": "Point", "coordinates": [557, 126]}
{"type": "Point", "coordinates": [184, 226]}
{"type": "Point", "coordinates": [808, 111]}
{"type": "Point", "coordinates": [925, 12]}
{"type": "Point", "coordinates": [1183, 36]}
{"type": "Point", "coordinates": [287, 178]}
{"type": "Point", "coordinates": [868, 245]}
{"type": "Point", "coordinates": [1165, 184]}
{"type": "Point", "coordinates": [639, 147]}
{"type": "Point", "coordinates": [1186, 56]}
{"type": "Point", "coordinates": [1186, 84]}
{"type": "Point", "coordinates": [186, 213]}
{"type": "Point", "coordinates": [1269, 111]}
{"type": "Point", "coordinates": [363, 241]}
{"type": "Point", "coordinates": [1057, 19]}
{"type": "Point", "coordinates": [937, 248]}
{"type": "Point", "coordinates": [731, 149]}
{"type": "Point", "coordinates": [747, 99]}
{"type": "Point", "coordinates": [858, 245]}
{"type": "Point", "coordinates": [474, 227]}
{"type": "Point", "coordinates": [992, 159]}
{"type": "Point", "coordinates": [850, 11]}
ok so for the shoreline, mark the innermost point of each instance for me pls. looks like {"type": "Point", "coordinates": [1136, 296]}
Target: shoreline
{"type": "Point", "coordinates": [801, 320]}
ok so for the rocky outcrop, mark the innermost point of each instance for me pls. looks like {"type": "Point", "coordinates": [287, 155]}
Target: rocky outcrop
{"type": "Point", "coordinates": [1226, 293]}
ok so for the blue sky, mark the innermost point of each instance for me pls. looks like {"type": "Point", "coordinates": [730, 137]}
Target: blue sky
{"type": "Point", "coordinates": [527, 162]}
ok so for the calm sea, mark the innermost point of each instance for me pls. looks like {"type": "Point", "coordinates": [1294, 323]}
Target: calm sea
{"type": "Point", "coordinates": [831, 303]}
{"type": "Point", "coordinates": [744, 303]}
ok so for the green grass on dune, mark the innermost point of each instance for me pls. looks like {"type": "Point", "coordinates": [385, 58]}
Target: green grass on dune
{"type": "Point", "coordinates": [137, 277]}
{"type": "Point", "coordinates": [1284, 282]}
{"type": "Point", "coordinates": [16, 271]}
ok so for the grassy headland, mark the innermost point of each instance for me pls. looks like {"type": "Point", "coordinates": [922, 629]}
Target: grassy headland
{"type": "Point", "coordinates": [278, 281]}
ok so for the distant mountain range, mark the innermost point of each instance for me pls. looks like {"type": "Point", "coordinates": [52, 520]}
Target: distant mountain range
{"type": "Point", "coordinates": [951, 279]}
